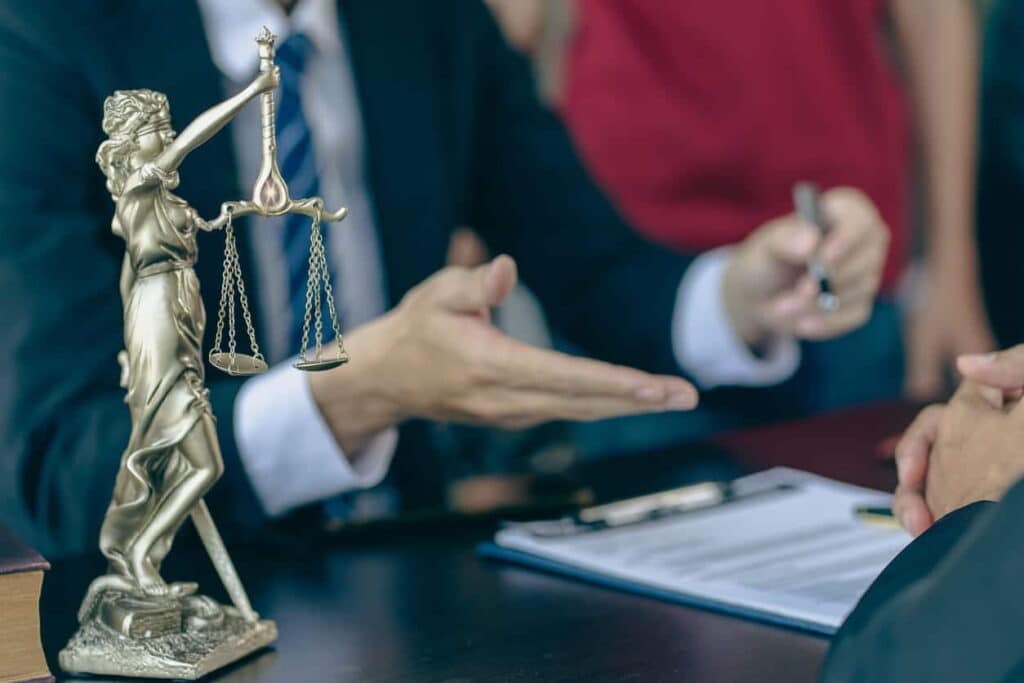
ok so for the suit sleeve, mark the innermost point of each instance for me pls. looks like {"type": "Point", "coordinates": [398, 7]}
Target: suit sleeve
{"type": "Point", "coordinates": [948, 608]}
{"type": "Point", "coordinates": [601, 285]}
{"type": "Point", "coordinates": [1001, 169]}
{"type": "Point", "coordinates": [63, 421]}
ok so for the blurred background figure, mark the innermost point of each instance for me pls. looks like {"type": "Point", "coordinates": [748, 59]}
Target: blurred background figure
{"type": "Point", "coordinates": [697, 118]}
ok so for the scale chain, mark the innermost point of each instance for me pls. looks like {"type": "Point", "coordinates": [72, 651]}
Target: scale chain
{"type": "Point", "coordinates": [226, 287]}
{"type": "Point", "coordinates": [314, 264]}
{"type": "Point", "coordinates": [230, 248]}
{"type": "Point", "coordinates": [244, 301]}
{"type": "Point", "coordinates": [232, 283]}
{"type": "Point", "coordinates": [335, 323]}
{"type": "Point", "coordinates": [328, 293]}
{"type": "Point", "coordinates": [318, 240]}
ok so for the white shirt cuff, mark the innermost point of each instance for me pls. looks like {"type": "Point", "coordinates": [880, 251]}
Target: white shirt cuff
{"type": "Point", "coordinates": [287, 449]}
{"type": "Point", "coordinates": [706, 346]}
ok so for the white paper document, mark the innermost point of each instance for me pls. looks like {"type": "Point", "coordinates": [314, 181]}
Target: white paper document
{"type": "Point", "coordinates": [792, 552]}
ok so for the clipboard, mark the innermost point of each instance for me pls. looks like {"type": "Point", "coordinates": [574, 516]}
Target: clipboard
{"type": "Point", "coordinates": [492, 551]}
{"type": "Point", "coordinates": [771, 495]}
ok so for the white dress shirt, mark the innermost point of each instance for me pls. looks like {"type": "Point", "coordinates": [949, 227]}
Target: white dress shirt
{"type": "Point", "coordinates": [285, 446]}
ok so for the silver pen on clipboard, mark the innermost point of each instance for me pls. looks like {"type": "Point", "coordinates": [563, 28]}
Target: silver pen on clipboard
{"type": "Point", "coordinates": [807, 200]}
{"type": "Point", "coordinates": [692, 498]}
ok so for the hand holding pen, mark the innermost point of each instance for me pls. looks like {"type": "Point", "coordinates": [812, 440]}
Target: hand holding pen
{"type": "Point", "coordinates": [807, 200]}
{"type": "Point", "coordinates": [811, 276]}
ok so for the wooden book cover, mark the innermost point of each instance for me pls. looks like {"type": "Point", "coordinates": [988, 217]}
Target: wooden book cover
{"type": "Point", "coordinates": [21, 581]}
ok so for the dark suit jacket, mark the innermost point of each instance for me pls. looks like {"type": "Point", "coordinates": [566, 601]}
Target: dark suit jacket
{"type": "Point", "coordinates": [1001, 169]}
{"type": "Point", "coordinates": [454, 136]}
{"type": "Point", "coordinates": [950, 607]}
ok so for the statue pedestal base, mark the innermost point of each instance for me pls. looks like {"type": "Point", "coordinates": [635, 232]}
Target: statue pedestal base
{"type": "Point", "coordinates": [198, 648]}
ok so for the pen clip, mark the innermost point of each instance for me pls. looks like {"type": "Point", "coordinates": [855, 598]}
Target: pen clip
{"type": "Point", "coordinates": [807, 201]}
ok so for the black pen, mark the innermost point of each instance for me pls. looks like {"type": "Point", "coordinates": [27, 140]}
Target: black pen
{"type": "Point", "coordinates": [807, 200]}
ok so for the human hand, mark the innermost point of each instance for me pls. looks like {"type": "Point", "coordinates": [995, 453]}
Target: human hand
{"type": "Point", "coordinates": [978, 455]}
{"type": "Point", "coordinates": [767, 290]}
{"type": "Point", "coordinates": [957, 454]}
{"type": "Point", "coordinates": [949, 321]}
{"type": "Point", "coordinates": [1002, 370]}
{"type": "Point", "coordinates": [912, 455]}
{"type": "Point", "coordinates": [437, 356]}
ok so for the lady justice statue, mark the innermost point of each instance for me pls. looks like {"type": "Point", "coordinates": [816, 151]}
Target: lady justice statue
{"type": "Point", "coordinates": [132, 621]}
{"type": "Point", "coordinates": [173, 435]}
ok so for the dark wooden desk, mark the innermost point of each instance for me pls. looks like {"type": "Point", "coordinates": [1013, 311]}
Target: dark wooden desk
{"type": "Point", "coordinates": [422, 607]}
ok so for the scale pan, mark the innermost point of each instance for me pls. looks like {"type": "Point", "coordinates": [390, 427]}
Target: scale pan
{"type": "Point", "coordinates": [320, 364]}
{"type": "Point", "coordinates": [244, 364]}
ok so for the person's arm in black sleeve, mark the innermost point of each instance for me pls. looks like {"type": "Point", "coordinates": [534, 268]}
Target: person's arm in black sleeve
{"type": "Point", "coordinates": [948, 608]}
{"type": "Point", "coordinates": [602, 285]}
{"type": "Point", "coordinates": [63, 422]}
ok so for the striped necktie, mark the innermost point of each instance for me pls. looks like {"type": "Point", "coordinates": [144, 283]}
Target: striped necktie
{"type": "Point", "coordinates": [298, 167]}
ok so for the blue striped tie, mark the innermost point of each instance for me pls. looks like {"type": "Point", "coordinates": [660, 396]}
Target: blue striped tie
{"type": "Point", "coordinates": [298, 167]}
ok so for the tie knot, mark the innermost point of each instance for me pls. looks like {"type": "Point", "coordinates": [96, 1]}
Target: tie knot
{"type": "Point", "coordinates": [292, 54]}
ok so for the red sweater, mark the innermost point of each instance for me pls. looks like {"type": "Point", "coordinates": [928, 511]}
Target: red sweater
{"type": "Point", "coordinates": [697, 116]}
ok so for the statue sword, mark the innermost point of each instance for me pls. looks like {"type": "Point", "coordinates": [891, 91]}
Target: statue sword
{"type": "Point", "coordinates": [214, 544]}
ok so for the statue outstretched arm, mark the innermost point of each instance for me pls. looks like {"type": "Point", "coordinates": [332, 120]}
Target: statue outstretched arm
{"type": "Point", "coordinates": [207, 124]}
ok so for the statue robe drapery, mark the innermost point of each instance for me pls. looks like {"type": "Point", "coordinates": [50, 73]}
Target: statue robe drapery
{"type": "Point", "coordinates": [162, 364]}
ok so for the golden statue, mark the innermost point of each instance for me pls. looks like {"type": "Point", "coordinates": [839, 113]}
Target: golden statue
{"type": "Point", "coordinates": [132, 621]}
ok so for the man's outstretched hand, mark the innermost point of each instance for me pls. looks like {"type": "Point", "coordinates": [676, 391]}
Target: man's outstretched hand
{"type": "Point", "coordinates": [437, 356]}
